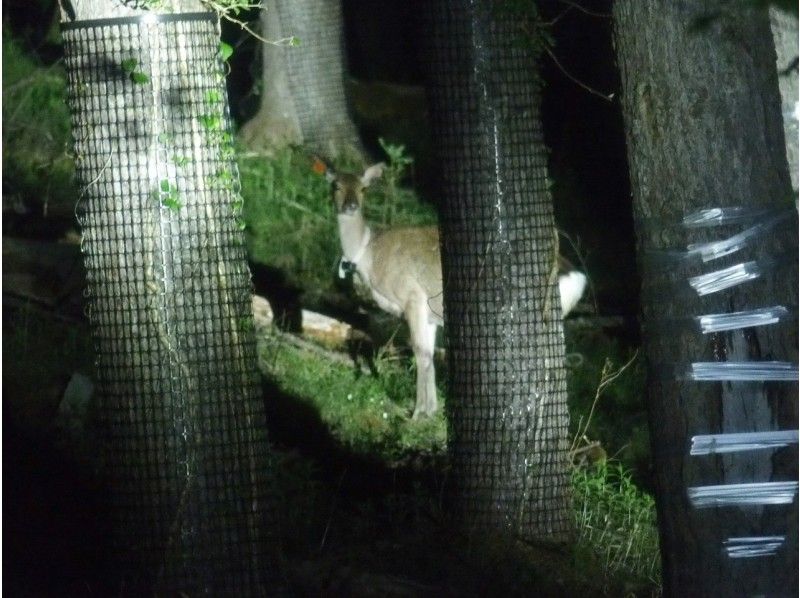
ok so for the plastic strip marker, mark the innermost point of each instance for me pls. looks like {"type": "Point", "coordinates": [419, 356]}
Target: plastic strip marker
{"type": "Point", "coordinates": [743, 495]}
{"type": "Point", "coordinates": [741, 319]}
{"type": "Point", "coordinates": [721, 216]}
{"type": "Point", "coordinates": [719, 280]}
{"type": "Point", "coordinates": [714, 444]}
{"type": "Point", "coordinates": [743, 371]}
{"type": "Point", "coordinates": [716, 249]}
{"type": "Point", "coordinates": [753, 546]}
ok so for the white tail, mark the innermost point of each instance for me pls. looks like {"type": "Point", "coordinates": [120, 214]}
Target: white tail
{"type": "Point", "coordinates": [403, 270]}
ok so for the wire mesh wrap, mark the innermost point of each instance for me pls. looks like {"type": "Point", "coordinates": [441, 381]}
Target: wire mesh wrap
{"type": "Point", "coordinates": [507, 407]}
{"type": "Point", "coordinates": [314, 71]}
{"type": "Point", "coordinates": [169, 302]}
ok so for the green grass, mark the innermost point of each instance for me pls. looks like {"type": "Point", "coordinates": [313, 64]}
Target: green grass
{"type": "Point", "coordinates": [289, 224]}
{"type": "Point", "coordinates": [37, 168]}
{"type": "Point", "coordinates": [367, 414]}
{"type": "Point", "coordinates": [615, 520]}
{"type": "Point", "coordinates": [290, 220]}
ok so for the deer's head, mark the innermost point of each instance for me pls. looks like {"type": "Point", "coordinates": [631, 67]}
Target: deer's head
{"type": "Point", "coordinates": [347, 189]}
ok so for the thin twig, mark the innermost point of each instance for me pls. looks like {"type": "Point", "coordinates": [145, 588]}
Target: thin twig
{"type": "Point", "coordinates": [577, 436]}
{"type": "Point", "coordinates": [607, 97]}
{"type": "Point", "coordinates": [283, 42]}
{"type": "Point", "coordinates": [586, 11]}
{"type": "Point", "coordinates": [618, 373]}
{"type": "Point", "coordinates": [558, 17]}
{"type": "Point", "coordinates": [606, 378]}
{"type": "Point", "coordinates": [581, 451]}
{"type": "Point", "coordinates": [89, 184]}
{"type": "Point", "coordinates": [225, 12]}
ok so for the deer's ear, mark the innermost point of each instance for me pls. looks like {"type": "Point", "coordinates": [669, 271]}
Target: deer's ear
{"type": "Point", "coordinates": [373, 172]}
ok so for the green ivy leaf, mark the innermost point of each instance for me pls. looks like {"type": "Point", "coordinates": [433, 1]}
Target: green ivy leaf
{"type": "Point", "coordinates": [139, 78]}
{"type": "Point", "coordinates": [210, 121]}
{"type": "Point", "coordinates": [129, 65]}
{"type": "Point", "coordinates": [171, 202]}
{"type": "Point", "coordinates": [225, 50]}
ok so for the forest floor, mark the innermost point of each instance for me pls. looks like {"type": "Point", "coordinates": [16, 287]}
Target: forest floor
{"type": "Point", "coordinates": [360, 485]}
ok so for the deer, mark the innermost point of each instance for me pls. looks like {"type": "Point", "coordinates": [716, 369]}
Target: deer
{"type": "Point", "coordinates": [402, 268]}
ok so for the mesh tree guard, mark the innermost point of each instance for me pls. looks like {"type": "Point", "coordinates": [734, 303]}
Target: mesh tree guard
{"type": "Point", "coordinates": [169, 304]}
{"type": "Point", "coordinates": [507, 407]}
{"type": "Point", "coordinates": [304, 96]}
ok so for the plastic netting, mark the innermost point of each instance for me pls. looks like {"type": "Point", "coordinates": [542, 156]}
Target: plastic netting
{"type": "Point", "coordinates": [507, 401]}
{"type": "Point", "coordinates": [315, 71]}
{"type": "Point", "coordinates": [169, 301]}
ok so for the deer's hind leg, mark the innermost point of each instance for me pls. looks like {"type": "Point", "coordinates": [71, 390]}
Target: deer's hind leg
{"type": "Point", "coordinates": [423, 339]}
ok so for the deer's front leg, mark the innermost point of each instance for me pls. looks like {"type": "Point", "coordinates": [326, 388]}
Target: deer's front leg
{"type": "Point", "coordinates": [423, 339]}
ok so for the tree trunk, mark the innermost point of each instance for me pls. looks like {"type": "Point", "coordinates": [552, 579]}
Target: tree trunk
{"type": "Point", "coordinates": [168, 298]}
{"type": "Point", "coordinates": [507, 394]}
{"type": "Point", "coordinates": [82, 10]}
{"type": "Point", "coordinates": [784, 32]}
{"type": "Point", "coordinates": [704, 130]}
{"type": "Point", "coordinates": [303, 93]}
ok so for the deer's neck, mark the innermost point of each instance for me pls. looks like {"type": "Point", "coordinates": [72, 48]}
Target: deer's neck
{"type": "Point", "coordinates": [354, 235]}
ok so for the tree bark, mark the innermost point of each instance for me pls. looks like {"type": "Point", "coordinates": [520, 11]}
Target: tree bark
{"type": "Point", "coordinates": [81, 10]}
{"type": "Point", "coordinates": [168, 297]}
{"type": "Point", "coordinates": [784, 32]}
{"type": "Point", "coordinates": [507, 394]}
{"type": "Point", "coordinates": [303, 93]}
{"type": "Point", "coordinates": [703, 127]}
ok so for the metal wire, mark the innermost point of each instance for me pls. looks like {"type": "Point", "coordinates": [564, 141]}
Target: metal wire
{"type": "Point", "coordinates": [169, 304]}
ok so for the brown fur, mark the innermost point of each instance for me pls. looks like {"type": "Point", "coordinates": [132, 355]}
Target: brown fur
{"type": "Point", "coordinates": [403, 270]}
